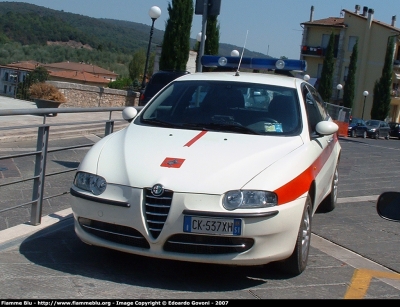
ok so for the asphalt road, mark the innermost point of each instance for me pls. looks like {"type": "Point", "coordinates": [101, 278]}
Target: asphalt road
{"type": "Point", "coordinates": [354, 253]}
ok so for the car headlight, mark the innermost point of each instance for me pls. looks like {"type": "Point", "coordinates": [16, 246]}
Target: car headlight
{"type": "Point", "coordinates": [372, 130]}
{"type": "Point", "coordinates": [90, 182]}
{"type": "Point", "coordinates": [247, 199]}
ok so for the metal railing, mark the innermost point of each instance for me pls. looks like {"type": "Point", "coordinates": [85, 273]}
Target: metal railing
{"type": "Point", "coordinates": [42, 149]}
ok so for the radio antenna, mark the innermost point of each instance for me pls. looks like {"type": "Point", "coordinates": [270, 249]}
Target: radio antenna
{"type": "Point", "coordinates": [240, 61]}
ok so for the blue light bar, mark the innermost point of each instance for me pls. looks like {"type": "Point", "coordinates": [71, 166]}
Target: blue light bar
{"type": "Point", "coordinates": [253, 63]}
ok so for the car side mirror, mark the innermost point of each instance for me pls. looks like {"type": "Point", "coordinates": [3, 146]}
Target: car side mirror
{"type": "Point", "coordinates": [388, 206]}
{"type": "Point", "coordinates": [326, 127]}
{"type": "Point", "coordinates": [129, 114]}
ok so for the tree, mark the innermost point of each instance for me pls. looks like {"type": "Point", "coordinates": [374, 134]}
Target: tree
{"type": "Point", "coordinates": [121, 83]}
{"type": "Point", "coordinates": [211, 46]}
{"type": "Point", "coordinates": [381, 100]}
{"type": "Point", "coordinates": [136, 65]}
{"type": "Point", "coordinates": [176, 43]}
{"type": "Point", "coordinates": [325, 84]}
{"type": "Point", "coordinates": [38, 75]}
{"type": "Point", "coordinates": [348, 91]}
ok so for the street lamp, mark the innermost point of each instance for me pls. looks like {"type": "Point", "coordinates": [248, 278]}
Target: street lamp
{"type": "Point", "coordinates": [365, 94]}
{"type": "Point", "coordinates": [339, 88]}
{"type": "Point", "coordinates": [198, 59]}
{"type": "Point", "coordinates": [234, 53]}
{"type": "Point", "coordinates": [154, 13]}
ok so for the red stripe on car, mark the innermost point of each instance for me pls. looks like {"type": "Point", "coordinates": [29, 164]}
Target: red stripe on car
{"type": "Point", "coordinates": [197, 137]}
{"type": "Point", "coordinates": [301, 184]}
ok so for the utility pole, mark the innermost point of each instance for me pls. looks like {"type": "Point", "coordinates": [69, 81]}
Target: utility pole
{"type": "Point", "coordinates": [205, 8]}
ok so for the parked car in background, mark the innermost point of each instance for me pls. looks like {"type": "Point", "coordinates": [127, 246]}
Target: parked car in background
{"type": "Point", "coordinates": [357, 127]}
{"type": "Point", "coordinates": [157, 81]}
{"type": "Point", "coordinates": [377, 128]}
{"type": "Point", "coordinates": [394, 130]}
{"type": "Point", "coordinates": [199, 175]}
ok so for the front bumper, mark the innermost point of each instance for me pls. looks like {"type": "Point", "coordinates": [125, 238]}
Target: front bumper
{"type": "Point", "coordinates": [267, 235]}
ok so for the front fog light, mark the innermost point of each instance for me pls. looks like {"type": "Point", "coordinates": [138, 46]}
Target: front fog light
{"type": "Point", "coordinates": [90, 182]}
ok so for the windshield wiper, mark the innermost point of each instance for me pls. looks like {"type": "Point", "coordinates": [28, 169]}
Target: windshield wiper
{"type": "Point", "coordinates": [231, 126]}
{"type": "Point", "coordinates": [228, 126]}
{"type": "Point", "coordinates": [158, 122]}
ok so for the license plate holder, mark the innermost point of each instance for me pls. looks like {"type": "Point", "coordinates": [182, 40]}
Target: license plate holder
{"type": "Point", "coordinates": [211, 225]}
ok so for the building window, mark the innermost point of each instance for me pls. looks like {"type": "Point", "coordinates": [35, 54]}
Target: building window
{"type": "Point", "coordinates": [398, 53]}
{"type": "Point", "coordinates": [6, 76]}
{"type": "Point", "coordinates": [325, 40]}
{"type": "Point", "coordinates": [352, 42]}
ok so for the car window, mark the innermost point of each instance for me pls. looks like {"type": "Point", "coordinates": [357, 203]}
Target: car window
{"type": "Point", "coordinates": [357, 121]}
{"type": "Point", "coordinates": [315, 108]}
{"type": "Point", "coordinates": [374, 123]}
{"type": "Point", "coordinates": [226, 106]}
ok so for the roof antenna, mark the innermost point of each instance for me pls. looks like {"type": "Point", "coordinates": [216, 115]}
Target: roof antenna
{"type": "Point", "coordinates": [240, 61]}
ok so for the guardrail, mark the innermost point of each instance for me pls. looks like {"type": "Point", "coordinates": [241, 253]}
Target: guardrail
{"type": "Point", "coordinates": [42, 149]}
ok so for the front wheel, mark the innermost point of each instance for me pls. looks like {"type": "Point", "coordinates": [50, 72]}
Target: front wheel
{"type": "Point", "coordinates": [297, 262]}
{"type": "Point", "coordinates": [387, 136]}
{"type": "Point", "coordinates": [329, 203]}
{"type": "Point", "coordinates": [365, 134]}
{"type": "Point", "coordinates": [353, 133]}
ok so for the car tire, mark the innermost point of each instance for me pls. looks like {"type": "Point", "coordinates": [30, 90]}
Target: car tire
{"type": "Point", "coordinates": [329, 203]}
{"type": "Point", "coordinates": [376, 135]}
{"type": "Point", "coordinates": [365, 134]}
{"type": "Point", "coordinates": [297, 262]}
{"type": "Point", "coordinates": [387, 136]}
{"type": "Point", "coordinates": [353, 133]}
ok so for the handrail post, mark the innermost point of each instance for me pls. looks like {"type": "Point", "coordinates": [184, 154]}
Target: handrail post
{"type": "Point", "coordinates": [109, 127]}
{"type": "Point", "coordinates": [40, 174]}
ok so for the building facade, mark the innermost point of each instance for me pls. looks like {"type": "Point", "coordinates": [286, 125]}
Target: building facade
{"type": "Point", "coordinates": [81, 73]}
{"type": "Point", "coordinates": [372, 36]}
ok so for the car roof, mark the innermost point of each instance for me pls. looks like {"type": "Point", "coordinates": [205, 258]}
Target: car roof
{"type": "Point", "coordinates": [261, 78]}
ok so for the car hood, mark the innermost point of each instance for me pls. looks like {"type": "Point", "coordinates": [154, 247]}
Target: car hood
{"type": "Point", "coordinates": [187, 160]}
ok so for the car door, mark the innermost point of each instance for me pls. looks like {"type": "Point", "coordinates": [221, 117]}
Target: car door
{"type": "Point", "coordinates": [360, 127]}
{"type": "Point", "coordinates": [384, 129]}
{"type": "Point", "coordinates": [316, 112]}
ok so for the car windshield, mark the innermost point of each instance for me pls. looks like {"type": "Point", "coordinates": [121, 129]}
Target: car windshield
{"type": "Point", "coordinates": [373, 123]}
{"type": "Point", "coordinates": [356, 121]}
{"type": "Point", "coordinates": [225, 106]}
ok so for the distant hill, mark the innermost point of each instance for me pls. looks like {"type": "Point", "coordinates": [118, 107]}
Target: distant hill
{"type": "Point", "coordinates": [32, 25]}
{"type": "Point", "coordinates": [26, 27]}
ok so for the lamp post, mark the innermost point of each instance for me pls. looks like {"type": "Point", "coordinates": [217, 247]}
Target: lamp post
{"type": "Point", "coordinates": [234, 53]}
{"type": "Point", "coordinates": [198, 59]}
{"type": "Point", "coordinates": [154, 13]}
{"type": "Point", "coordinates": [365, 94]}
{"type": "Point", "coordinates": [339, 88]}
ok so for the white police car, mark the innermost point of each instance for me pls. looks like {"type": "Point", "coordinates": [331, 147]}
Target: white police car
{"type": "Point", "coordinates": [203, 173]}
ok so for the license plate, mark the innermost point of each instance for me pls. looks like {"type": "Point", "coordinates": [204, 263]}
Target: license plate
{"type": "Point", "coordinates": [207, 225]}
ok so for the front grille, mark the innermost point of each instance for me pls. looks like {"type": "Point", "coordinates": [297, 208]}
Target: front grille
{"type": "Point", "coordinates": [201, 244]}
{"type": "Point", "coordinates": [156, 211]}
{"type": "Point", "coordinates": [114, 233]}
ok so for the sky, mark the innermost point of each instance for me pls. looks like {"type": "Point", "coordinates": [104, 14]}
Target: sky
{"type": "Point", "coordinates": [270, 27]}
